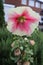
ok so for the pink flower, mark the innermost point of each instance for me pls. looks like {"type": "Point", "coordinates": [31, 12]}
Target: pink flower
{"type": "Point", "coordinates": [20, 23]}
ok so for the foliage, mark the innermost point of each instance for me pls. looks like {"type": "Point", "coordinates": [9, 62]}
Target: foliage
{"type": "Point", "coordinates": [5, 40]}
{"type": "Point", "coordinates": [38, 37]}
{"type": "Point", "coordinates": [2, 21]}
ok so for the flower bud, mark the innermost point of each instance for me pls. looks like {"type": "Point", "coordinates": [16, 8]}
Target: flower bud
{"type": "Point", "coordinates": [12, 45]}
{"type": "Point", "coordinates": [26, 39]}
{"type": "Point", "coordinates": [19, 62]}
{"type": "Point", "coordinates": [26, 63]}
{"type": "Point", "coordinates": [17, 52]}
{"type": "Point", "coordinates": [32, 42]}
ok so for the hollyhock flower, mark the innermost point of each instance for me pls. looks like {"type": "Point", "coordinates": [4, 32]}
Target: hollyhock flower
{"type": "Point", "coordinates": [22, 20]}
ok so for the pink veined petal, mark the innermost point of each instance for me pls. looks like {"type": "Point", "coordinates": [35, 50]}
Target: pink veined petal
{"type": "Point", "coordinates": [13, 28]}
{"type": "Point", "coordinates": [13, 17]}
{"type": "Point", "coordinates": [26, 26]}
{"type": "Point", "coordinates": [25, 13]}
{"type": "Point", "coordinates": [29, 17]}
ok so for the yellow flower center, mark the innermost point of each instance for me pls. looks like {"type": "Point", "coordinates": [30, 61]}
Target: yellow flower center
{"type": "Point", "coordinates": [21, 19]}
